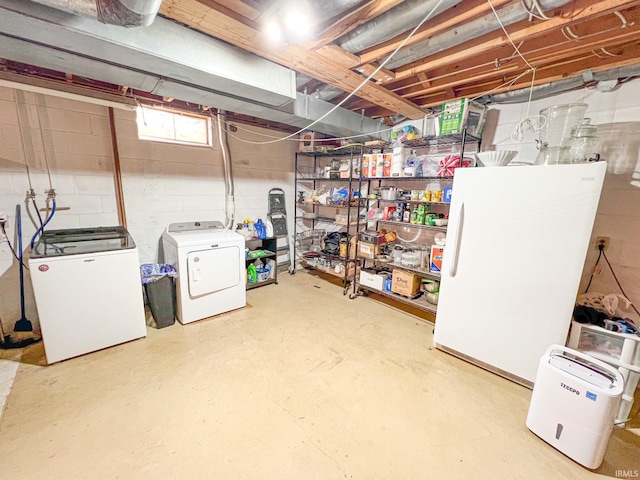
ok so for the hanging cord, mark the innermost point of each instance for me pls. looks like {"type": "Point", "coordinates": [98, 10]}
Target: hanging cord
{"type": "Point", "coordinates": [13, 251]}
{"type": "Point", "coordinates": [616, 279]}
{"type": "Point", "coordinates": [357, 89]}
{"type": "Point", "coordinates": [538, 13]}
{"type": "Point", "coordinates": [628, 419]}
{"type": "Point", "coordinates": [534, 123]}
{"type": "Point", "coordinates": [594, 271]}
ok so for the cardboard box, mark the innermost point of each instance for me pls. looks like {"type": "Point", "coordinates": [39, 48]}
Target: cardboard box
{"type": "Point", "coordinates": [345, 170]}
{"type": "Point", "coordinates": [309, 141]}
{"type": "Point", "coordinates": [368, 250]}
{"type": "Point", "coordinates": [373, 237]}
{"type": "Point", "coordinates": [369, 278]}
{"type": "Point", "coordinates": [459, 114]}
{"type": "Point", "coordinates": [367, 160]}
{"type": "Point", "coordinates": [405, 283]}
{"type": "Point", "coordinates": [435, 260]}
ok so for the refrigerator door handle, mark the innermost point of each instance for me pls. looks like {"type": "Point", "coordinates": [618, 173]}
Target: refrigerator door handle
{"type": "Point", "coordinates": [453, 267]}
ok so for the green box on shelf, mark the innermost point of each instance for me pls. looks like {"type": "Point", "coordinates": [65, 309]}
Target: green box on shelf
{"type": "Point", "coordinates": [457, 115]}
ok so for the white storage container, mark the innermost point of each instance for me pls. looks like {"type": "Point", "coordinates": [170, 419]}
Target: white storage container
{"type": "Point", "coordinates": [372, 280]}
{"type": "Point", "coordinates": [622, 350]}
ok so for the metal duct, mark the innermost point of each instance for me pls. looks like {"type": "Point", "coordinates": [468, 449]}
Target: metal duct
{"type": "Point", "coordinates": [561, 86]}
{"type": "Point", "coordinates": [413, 12]}
{"type": "Point", "coordinates": [326, 9]}
{"type": "Point", "coordinates": [124, 13]}
{"type": "Point", "coordinates": [163, 50]}
{"type": "Point", "coordinates": [470, 30]}
{"type": "Point", "coordinates": [170, 61]}
{"type": "Point", "coordinates": [386, 26]}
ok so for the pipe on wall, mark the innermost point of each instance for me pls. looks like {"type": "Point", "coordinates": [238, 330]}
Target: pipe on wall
{"type": "Point", "coordinates": [117, 173]}
{"type": "Point", "coordinates": [229, 205]}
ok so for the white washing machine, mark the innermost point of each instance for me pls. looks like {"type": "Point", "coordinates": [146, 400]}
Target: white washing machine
{"type": "Point", "coordinates": [86, 283]}
{"type": "Point", "coordinates": [210, 263]}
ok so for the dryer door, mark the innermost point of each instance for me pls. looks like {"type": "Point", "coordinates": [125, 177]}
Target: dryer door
{"type": "Point", "coordinates": [213, 270]}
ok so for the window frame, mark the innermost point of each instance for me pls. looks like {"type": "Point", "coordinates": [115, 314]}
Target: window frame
{"type": "Point", "coordinates": [140, 115]}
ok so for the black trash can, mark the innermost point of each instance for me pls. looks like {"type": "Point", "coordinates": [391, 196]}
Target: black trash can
{"type": "Point", "coordinates": [160, 288]}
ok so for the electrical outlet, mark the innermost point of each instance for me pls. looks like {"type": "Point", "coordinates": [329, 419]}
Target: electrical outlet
{"type": "Point", "coordinates": [602, 241]}
{"type": "Point", "coordinates": [4, 220]}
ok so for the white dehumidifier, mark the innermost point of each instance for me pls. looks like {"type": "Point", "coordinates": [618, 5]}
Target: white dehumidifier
{"type": "Point", "coordinates": [574, 403]}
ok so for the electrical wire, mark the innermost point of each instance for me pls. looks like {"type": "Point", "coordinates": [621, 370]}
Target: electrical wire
{"type": "Point", "coordinates": [617, 281]}
{"type": "Point", "coordinates": [540, 15]}
{"type": "Point", "coordinates": [593, 272]}
{"type": "Point", "coordinates": [357, 89]}
{"type": "Point", "coordinates": [534, 123]}
{"type": "Point", "coordinates": [628, 419]}
{"type": "Point", "coordinates": [320, 140]}
{"type": "Point", "coordinates": [13, 251]}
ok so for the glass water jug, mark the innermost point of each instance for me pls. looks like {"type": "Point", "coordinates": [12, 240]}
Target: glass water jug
{"type": "Point", "coordinates": [585, 147]}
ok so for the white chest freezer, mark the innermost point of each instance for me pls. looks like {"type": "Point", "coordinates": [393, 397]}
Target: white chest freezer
{"type": "Point", "coordinates": [574, 403]}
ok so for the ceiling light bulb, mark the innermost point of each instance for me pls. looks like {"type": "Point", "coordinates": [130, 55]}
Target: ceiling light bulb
{"type": "Point", "coordinates": [297, 23]}
{"type": "Point", "coordinates": [273, 31]}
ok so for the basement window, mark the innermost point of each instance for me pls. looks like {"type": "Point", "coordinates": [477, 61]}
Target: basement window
{"type": "Point", "coordinates": [164, 126]}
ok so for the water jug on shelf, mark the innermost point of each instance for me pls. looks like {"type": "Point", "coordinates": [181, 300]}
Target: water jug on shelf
{"type": "Point", "coordinates": [586, 145]}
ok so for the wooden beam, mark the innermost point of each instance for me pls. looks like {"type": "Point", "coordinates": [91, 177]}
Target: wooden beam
{"type": "Point", "coordinates": [546, 51]}
{"type": "Point", "coordinates": [358, 16]}
{"type": "Point", "coordinates": [297, 58]}
{"type": "Point", "coordinates": [247, 8]}
{"type": "Point", "coordinates": [339, 55]}
{"type": "Point", "coordinates": [546, 75]}
{"type": "Point", "coordinates": [463, 12]}
{"type": "Point", "coordinates": [383, 75]}
{"type": "Point", "coordinates": [573, 13]}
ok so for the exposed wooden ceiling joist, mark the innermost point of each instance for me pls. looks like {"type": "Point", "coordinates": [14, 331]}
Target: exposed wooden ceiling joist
{"type": "Point", "coordinates": [571, 14]}
{"type": "Point", "coordinates": [472, 68]}
{"type": "Point", "coordinates": [295, 57]}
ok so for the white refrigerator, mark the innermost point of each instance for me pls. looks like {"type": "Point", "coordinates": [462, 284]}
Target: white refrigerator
{"type": "Point", "coordinates": [516, 246]}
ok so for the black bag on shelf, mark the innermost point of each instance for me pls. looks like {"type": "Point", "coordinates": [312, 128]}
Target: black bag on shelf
{"type": "Point", "coordinates": [332, 243]}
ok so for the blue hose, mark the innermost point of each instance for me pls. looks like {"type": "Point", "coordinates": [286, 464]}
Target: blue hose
{"type": "Point", "coordinates": [49, 217]}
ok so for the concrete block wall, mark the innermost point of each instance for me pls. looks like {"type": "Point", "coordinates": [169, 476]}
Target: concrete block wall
{"type": "Point", "coordinates": [617, 115]}
{"type": "Point", "coordinates": [162, 182]}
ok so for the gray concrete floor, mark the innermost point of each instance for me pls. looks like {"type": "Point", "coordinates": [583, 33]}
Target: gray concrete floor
{"type": "Point", "coordinates": [303, 383]}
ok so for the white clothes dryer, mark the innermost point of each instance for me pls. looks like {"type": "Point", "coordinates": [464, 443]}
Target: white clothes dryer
{"type": "Point", "coordinates": [210, 263]}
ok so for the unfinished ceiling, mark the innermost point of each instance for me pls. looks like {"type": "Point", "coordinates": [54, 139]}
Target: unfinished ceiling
{"type": "Point", "coordinates": [450, 49]}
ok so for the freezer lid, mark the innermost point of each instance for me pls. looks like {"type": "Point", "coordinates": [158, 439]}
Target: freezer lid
{"type": "Point", "coordinates": [76, 241]}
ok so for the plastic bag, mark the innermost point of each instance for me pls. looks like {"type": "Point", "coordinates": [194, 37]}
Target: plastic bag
{"type": "Point", "coordinates": [152, 272]}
